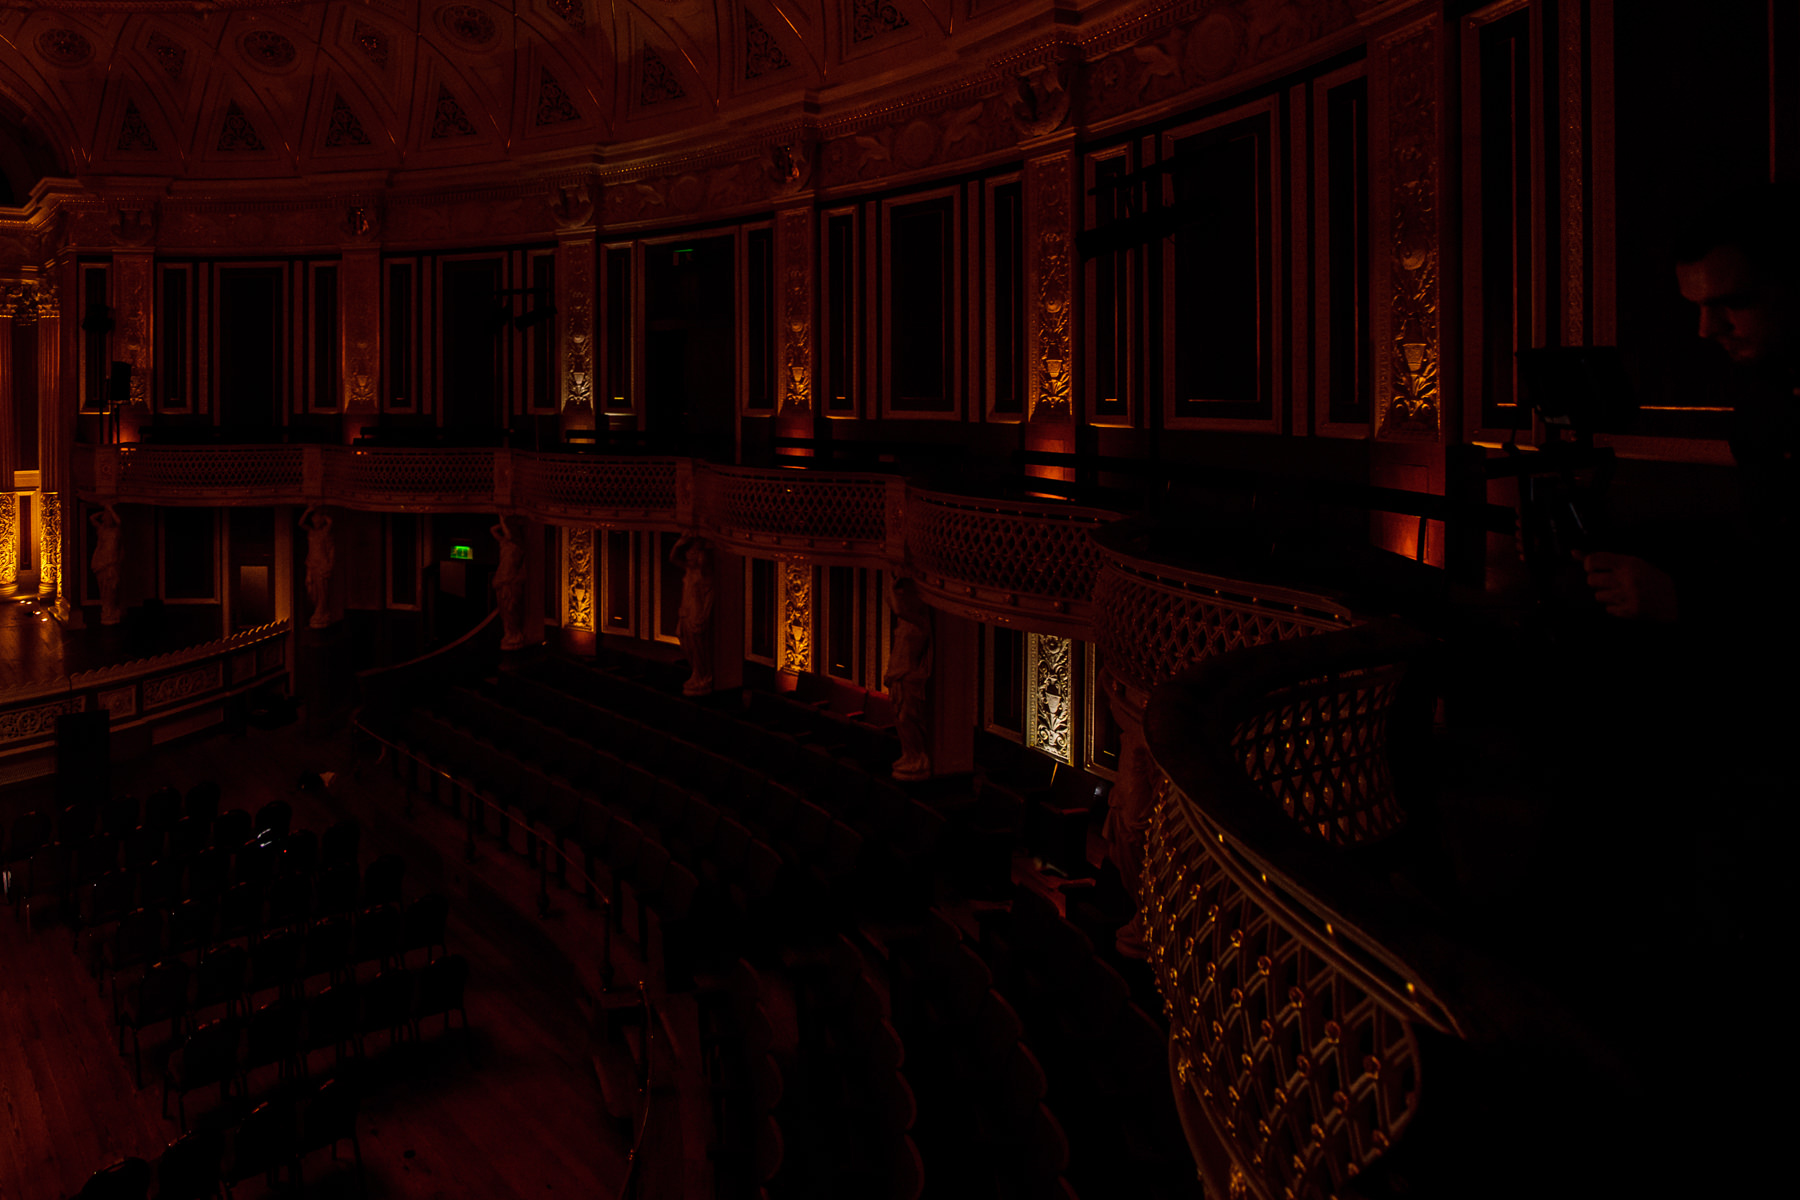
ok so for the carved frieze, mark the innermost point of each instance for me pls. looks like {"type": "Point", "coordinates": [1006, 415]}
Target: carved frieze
{"type": "Point", "coordinates": [978, 125]}
{"type": "Point", "coordinates": [796, 616]}
{"type": "Point", "coordinates": [1407, 385]}
{"type": "Point", "coordinates": [1040, 103]}
{"type": "Point", "coordinates": [578, 569]}
{"type": "Point", "coordinates": [1049, 285]}
{"type": "Point", "coordinates": [177, 686]}
{"type": "Point", "coordinates": [793, 247]}
{"type": "Point", "coordinates": [120, 702]}
{"type": "Point", "coordinates": [38, 721]}
{"type": "Point", "coordinates": [575, 320]}
{"type": "Point", "coordinates": [762, 53]}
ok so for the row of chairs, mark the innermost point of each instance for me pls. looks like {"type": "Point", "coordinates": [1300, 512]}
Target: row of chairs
{"type": "Point", "coordinates": [622, 858]}
{"type": "Point", "coordinates": [720, 756]}
{"type": "Point", "coordinates": [281, 1133]}
{"type": "Point", "coordinates": [663, 727]}
{"type": "Point", "coordinates": [805, 833]}
{"type": "Point", "coordinates": [1103, 1055]}
{"type": "Point", "coordinates": [118, 815]}
{"type": "Point", "coordinates": [981, 1088]}
{"type": "Point", "coordinates": [285, 1033]}
{"type": "Point", "coordinates": [231, 976]}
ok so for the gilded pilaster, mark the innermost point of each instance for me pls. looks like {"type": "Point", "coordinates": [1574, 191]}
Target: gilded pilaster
{"type": "Point", "coordinates": [134, 320]}
{"type": "Point", "coordinates": [578, 569]}
{"type": "Point", "coordinates": [1406, 180]}
{"type": "Point", "coordinates": [796, 232]}
{"type": "Point", "coordinates": [796, 617]}
{"type": "Point", "coordinates": [1050, 286]}
{"type": "Point", "coordinates": [575, 326]}
{"type": "Point", "coordinates": [359, 331]}
{"type": "Point", "coordinates": [9, 538]}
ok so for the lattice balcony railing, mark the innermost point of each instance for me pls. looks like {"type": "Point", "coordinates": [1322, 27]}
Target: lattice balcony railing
{"type": "Point", "coordinates": [586, 486]}
{"type": "Point", "coordinates": [832, 510]}
{"type": "Point", "coordinates": [211, 473]}
{"type": "Point", "coordinates": [425, 476]}
{"type": "Point", "coordinates": [1039, 551]}
{"type": "Point", "coordinates": [1152, 620]}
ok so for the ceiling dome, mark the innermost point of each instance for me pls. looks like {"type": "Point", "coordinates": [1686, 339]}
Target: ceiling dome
{"type": "Point", "coordinates": [254, 89]}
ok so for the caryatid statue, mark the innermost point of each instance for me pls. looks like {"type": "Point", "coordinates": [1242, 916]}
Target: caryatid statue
{"type": "Point", "coordinates": [694, 623]}
{"type": "Point", "coordinates": [106, 561]}
{"type": "Point", "coordinates": [908, 679]}
{"type": "Point", "coordinates": [509, 585]}
{"type": "Point", "coordinates": [321, 560]}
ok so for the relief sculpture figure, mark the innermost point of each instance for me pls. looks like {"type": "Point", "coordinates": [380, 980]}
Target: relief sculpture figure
{"type": "Point", "coordinates": [694, 622]}
{"type": "Point", "coordinates": [321, 560]}
{"type": "Point", "coordinates": [908, 679]}
{"type": "Point", "coordinates": [106, 562]}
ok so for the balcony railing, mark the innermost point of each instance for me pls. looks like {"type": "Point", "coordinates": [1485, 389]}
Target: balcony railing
{"type": "Point", "coordinates": [1003, 560]}
{"type": "Point", "coordinates": [620, 491]}
{"type": "Point", "coordinates": [822, 514]}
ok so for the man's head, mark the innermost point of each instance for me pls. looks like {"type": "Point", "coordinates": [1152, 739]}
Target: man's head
{"type": "Point", "coordinates": [1737, 260]}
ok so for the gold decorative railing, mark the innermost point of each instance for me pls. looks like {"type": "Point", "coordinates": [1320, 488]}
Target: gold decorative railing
{"type": "Point", "coordinates": [1297, 1004]}
{"type": "Point", "coordinates": [1154, 619]}
{"type": "Point", "coordinates": [1006, 562]}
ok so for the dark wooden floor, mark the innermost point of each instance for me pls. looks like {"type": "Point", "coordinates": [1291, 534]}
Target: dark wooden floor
{"type": "Point", "coordinates": [526, 1118]}
{"type": "Point", "coordinates": [35, 649]}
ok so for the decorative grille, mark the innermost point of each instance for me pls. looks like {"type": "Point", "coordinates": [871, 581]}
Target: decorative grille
{"type": "Point", "coordinates": [423, 476]}
{"type": "Point", "coordinates": [800, 504]}
{"type": "Point", "coordinates": [573, 485]}
{"type": "Point", "coordinates": [1305, 1072]}
{"type": "Point", "coordinates": [276, 471]}
{"type": "Point", "coordinates": [1030, 550]}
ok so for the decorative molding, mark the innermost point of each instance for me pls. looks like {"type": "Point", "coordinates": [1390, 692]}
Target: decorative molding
{"type": "Point", "coordinates": [1050, 695]}
{"type": "Point", "coordinates": [870, 19]}
{"type": "Point", "coordinates": [449, 120]}
{"type": "Point", "coordinates": [1049, 286]}
{"type": "Point", "coordinates": [762, 53]}
{"type": "Point", "coordinates": [169, 54]}
{"type": "Point", "coordinates": [372, 42]}
{"type": "Point", "coordinates": [38, 721]}
{"type": "Point", "coordinates": [1407, 393]}
{"type": "Point", "coordinates": [345, 129]}
{"type": "Point", "coordinates": [578, 569]}
{"type": "Point", "coordinates": [237, 134]}
{"type": "Point", "coordinates": [268, 49]}
{"type": "Point", "coordinates": [119, 703]}
{"type": "Point", "coordinates": [657, 83]}
{"type": "Point", "coordinates": [164, 690]}
{"type": "Point", "coordinates": [553, 104]}
{"type": "Point", "coordinates": [794, 237]}
{"type": "Point", "coordinates": [64, 48]}
{"type": "Point", "coordinates": [796, 617]}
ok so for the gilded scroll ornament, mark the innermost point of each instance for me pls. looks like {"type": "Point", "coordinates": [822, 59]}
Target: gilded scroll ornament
{"type": "Point", "coordinates": [9, 539]}
{"type": "Point", "coordinates": [1050, 671]}
{"type": "Point", "coordinates": [796, 617]}
{"type": "Point", "coordinates": [580, 574]}
{"type": "Point", "coordinates": [1408, 393]}
{"type": "Point", "coordinates": [1049, 230]}
{"type": "Point", "coordinates": [794, 236]}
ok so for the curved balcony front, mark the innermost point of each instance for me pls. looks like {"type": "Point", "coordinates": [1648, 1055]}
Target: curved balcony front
{"type": "Point", "coordinates": [200, 475]}
{"type": "Point", "coordinates": [639, 493]}
{"type": "Point", "coordinates": [1030, 565]}
{"type": "Point", "coordinates": [840, 517]}
{"type": "Point", "coordinates": [1155, 615]}
{"type": "Point", "coordinates": [405, 480]}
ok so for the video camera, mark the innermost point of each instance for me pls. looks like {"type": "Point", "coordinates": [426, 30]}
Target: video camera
{"type": "Point", "coordinates": [1576, 391]}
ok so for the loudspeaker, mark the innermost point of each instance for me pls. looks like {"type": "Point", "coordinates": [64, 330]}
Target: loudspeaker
{"type": "Point", "coordinates": [83, 756]}
{"type": "Point", "coordinates": [118, 385]}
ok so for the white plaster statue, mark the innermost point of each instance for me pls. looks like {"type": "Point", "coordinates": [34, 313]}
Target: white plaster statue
{"type": "Point", "coordinates": [106, 562]}
{"type": "Point", "coordinates": [509, 585]}
{"type": "Point", "coordinates": [908, 679]}
{"type": "Point", "coordinates": [694, 622]}
{"type": "Point", "coordinates": [321, 559]}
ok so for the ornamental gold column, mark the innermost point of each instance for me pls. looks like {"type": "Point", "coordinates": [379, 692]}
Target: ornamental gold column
{"type": "Point", "coordinates": [796, 234]}
{"type": "Point", "coordinates": [57, 399]}
{"type": "Point", "coordinates": [10, 297]}
{"type": "Point", "coordinates": [1051, 415]}
{"type": "Point", "coordinates": [359, 320]}
{"type": "Point", "coordinates": [575, 290]}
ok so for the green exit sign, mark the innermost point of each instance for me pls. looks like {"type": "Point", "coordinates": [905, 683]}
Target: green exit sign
{"type": "Point", "coordinates": [461, 552]}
